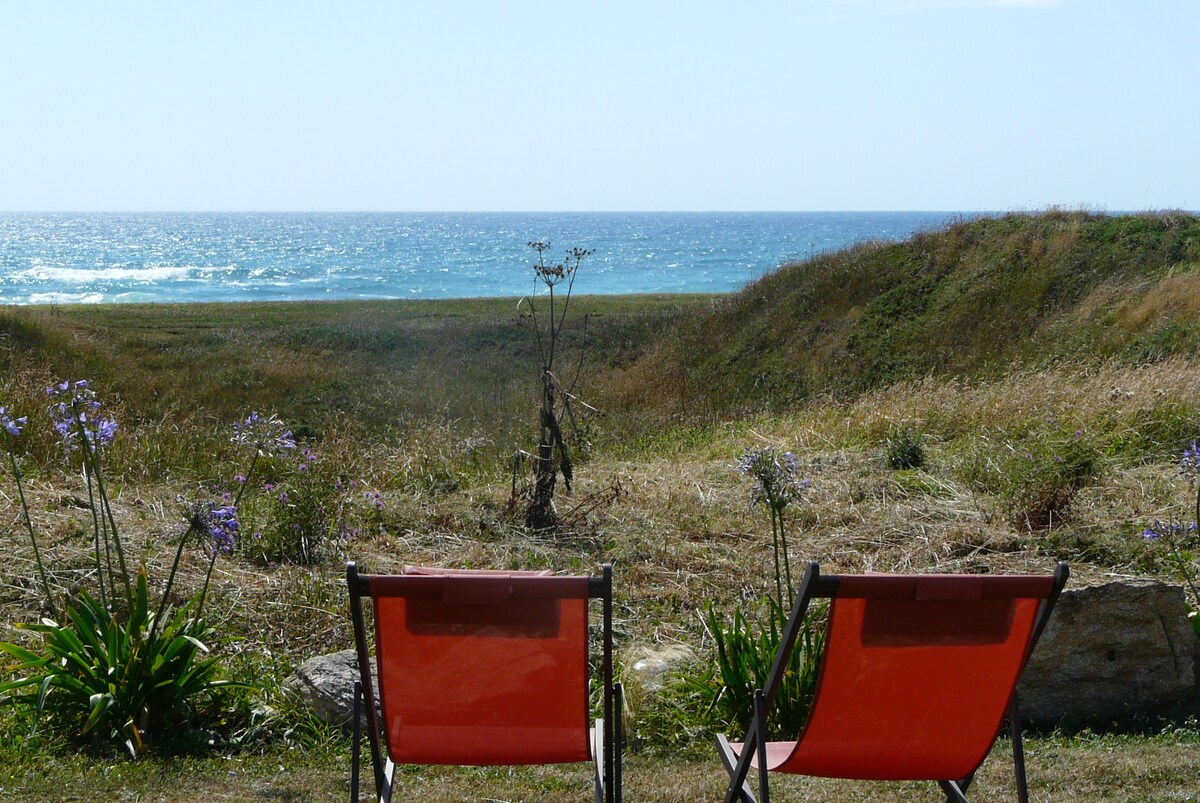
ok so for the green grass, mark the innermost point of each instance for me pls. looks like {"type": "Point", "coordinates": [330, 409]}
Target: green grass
{"type": "Point", "coordinates": [1125, 769]}
{"type": "Point", "coordinates": [970, 301]}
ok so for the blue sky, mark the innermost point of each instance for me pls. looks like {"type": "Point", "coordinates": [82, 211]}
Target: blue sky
{"type": "Point", "coordinates": [647, 104]}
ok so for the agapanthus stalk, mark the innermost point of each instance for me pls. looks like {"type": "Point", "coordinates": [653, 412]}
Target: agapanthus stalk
{"type": "Point", "coordinates": [96, 537]}
{"type": "Point", "coordinates": [246, 478]}
{"type": "Point", "coordinates": [778, 573]}
{"type": "Point", "coordinates": [107, 522]}
{"type": "Point", "coordinates": [37, 554]}
{"type": "Point", "coordinates": [166, 595]}
{"type": "Point", "coordinates": [76, 402]}
{"type": "Point", "coordinates": [787, 563]}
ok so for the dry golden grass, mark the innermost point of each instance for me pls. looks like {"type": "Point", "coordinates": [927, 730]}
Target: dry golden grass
{"type": "Point", "coordinates": [681, 534]}
{"type": "Point", "coordinates": [682, 531]}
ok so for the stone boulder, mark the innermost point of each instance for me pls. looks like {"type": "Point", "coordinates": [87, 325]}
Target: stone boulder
{"type": "Point", "coordinates": [1109, 651]}
{"type": "Point", "coordinates": [325, 685]}
{"type": "Point", "coordinates": [649, 667]}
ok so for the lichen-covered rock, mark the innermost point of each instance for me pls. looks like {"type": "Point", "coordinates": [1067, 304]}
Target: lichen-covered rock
{"type": "Point", "coordinates": [1109, 651]}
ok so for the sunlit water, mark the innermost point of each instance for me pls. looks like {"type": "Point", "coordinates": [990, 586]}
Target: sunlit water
{"type": "Point", "coordinates": [48, 258]}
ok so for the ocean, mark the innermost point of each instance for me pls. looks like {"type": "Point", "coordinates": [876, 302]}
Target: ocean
{"type": "Point", "coordinates": [93, 258]}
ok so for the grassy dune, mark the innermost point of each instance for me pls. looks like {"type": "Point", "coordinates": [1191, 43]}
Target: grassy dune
{"type": "Point", "coordinates": [1032, 354]}
{"type": "Point", "coordinates": [972, 300]}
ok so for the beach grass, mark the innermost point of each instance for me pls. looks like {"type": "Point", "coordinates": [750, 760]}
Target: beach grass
{"type": "Point", "coordinates": [422, 404]}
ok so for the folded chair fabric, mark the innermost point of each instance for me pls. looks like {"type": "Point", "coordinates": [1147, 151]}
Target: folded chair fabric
{"type": "Point", "coordinates": [483, 668]}
{"type": "Point", "coordinates": [917, 676]}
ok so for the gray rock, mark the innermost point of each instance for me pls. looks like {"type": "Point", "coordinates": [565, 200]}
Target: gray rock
{"type": "Point", "coordinates": [652, 666]}
{"type": "Point", "coordinates": [1109, 651]}
{"type": "Point", "coordinates": [325, 685]}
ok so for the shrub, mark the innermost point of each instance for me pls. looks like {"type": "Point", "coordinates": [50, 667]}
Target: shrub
{"type": "Point", "coordinates": [904, 449]}
{"type": "Point", "coordinates": [300, 513]}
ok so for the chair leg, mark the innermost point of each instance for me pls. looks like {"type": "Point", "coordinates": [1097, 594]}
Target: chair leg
{"type": "Point", "coordinates": [730, 759]}
{"type": "Point", "coordinates": [618, 748]}
{"type": "Point", "coordinates": [389, 782]}
{"type": "Point", "coordinates": [1018, 745]}
{"type": "Point", "coordinates": [954, 793]}
{"type": "Point", "coordinates": [356, 744]}
{"type": "Point", "coordinates": [965, 783]}
{"type": "Point", "coordinates": [600, 761]}
{"type": "Point", "coordinates": [760, 717]}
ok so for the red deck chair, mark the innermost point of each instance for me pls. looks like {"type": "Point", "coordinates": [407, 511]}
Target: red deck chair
{"type": "Point", "coordinates": [482, 668]}
{"type": "Point", "coordinates": [917, 676]}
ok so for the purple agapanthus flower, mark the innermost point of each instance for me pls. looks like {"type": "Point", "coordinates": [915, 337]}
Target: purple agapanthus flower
{"type": "Point", "coordinates": [266, 434]}
{"type": "Point", "coordinates": [11, 425]}
{"type": "Point", "coordinates": [217, 525]}
{"type": "Point", "coordinates": [224, 529]}
{"type": "Point", "coordinates": [75, 416]}
{"type": "Point", "coordinates": [1169, 530]}
{"type": "Point", "coordinates": [1189, 463]}
{"type": "Point", "coordinates": [106, 430]}
{"type": "Point", "coordinates": [774, 473]}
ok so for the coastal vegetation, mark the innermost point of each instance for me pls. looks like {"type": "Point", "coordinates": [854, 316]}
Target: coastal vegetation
{"type": "Point", "coordinates": [994, 396]}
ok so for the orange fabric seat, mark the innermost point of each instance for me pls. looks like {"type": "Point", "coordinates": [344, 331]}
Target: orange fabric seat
{"type": "Point", "coordinates": [916, 679]}
{"type": "Point", "coordinates": [484, 668]}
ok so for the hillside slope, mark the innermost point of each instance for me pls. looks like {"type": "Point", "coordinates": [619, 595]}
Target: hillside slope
{"type": "Point", "coordinates": [971, 300]}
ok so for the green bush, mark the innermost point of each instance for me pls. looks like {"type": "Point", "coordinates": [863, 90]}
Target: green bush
{"type": "Point", "coordinates": [904, 449]}
{"type": "Point", "coordinates": [300, 514]}
{"type": "Point", "coordinates": [127, 680]}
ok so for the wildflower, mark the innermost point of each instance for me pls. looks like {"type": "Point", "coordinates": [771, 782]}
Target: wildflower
{"type": "Point", "coordinates": [11, 425]}
{"type": "Point", "coordinates": [1189, 463]}
{"type": "Point", "coordinates": [75, 417]}
{"type": "Point", "coordinates": [217, 524]}
{"type": "Point", "coordinates": [267, 436]}
{"type": "Point", "coordinates": [1169, 530]}
{"type": "Point", "coordinates": [775, 476]}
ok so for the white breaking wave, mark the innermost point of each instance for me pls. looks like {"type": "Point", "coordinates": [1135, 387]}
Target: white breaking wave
{"type": "Point", "coordinates": [63, 298]}
{"type": "Point", "coordinates": [156, 273]}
